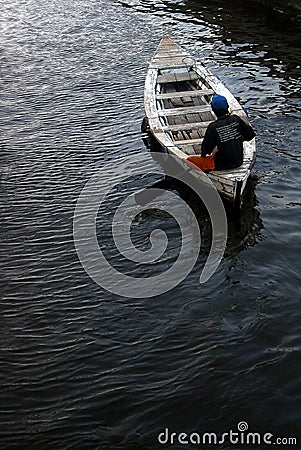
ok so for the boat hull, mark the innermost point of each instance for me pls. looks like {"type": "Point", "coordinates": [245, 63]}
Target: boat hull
{"type": "Point", "coordinates": [177, 95]}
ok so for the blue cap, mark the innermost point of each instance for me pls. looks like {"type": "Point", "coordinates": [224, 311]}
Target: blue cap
{"type": "Point", "coordinates": [219, 102]}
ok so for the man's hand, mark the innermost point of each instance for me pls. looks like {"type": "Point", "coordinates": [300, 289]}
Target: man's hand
{"type": "Point", "coordinates": [212, 153]}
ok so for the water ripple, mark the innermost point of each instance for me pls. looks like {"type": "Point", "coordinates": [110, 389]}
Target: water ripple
{"type": "Point", "coordinates": [81, 367]}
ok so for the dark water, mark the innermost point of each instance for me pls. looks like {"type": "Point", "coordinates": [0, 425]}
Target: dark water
{"type": "Point", "coordinates": [82, 368]}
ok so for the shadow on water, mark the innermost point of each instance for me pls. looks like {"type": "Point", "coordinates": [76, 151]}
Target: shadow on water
{"type": "Point", "coordinates": [244, 225]}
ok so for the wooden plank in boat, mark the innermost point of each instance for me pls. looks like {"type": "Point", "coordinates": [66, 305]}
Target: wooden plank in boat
{"type": "Point", "coordinates": [185, 110]}
{"type": "Point", "coordinates": [163, 66]}
{"type": "Point", "coordinates": [177, 77]}
{"type": "Point", "coordinates": [186, 126]}
{"type": "Point", "coordinates": [189, 142]}
{"type": "Point", "coordinates": [205, 116]}
{"type": "Point", "coordinates": [173, 58]}
{"type": "Point", "coordinates": [196, 93]}
{"type": "Point", "coordinates": [171, 54]}
{"type": "Point", "coordinates": [167, 44]}
{"type": "Point", "coordinates": [168, 62]}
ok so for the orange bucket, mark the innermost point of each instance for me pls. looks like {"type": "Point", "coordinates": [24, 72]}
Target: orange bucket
{"type": "Point", "coordinates": [202, 162]}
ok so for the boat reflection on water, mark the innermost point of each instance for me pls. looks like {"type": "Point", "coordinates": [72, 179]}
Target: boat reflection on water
{"type": "Point", "coordinates": [244, 225]}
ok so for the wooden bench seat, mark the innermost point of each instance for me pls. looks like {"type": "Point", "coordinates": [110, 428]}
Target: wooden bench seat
{"type": "Point", "coordinates": [186, 126]}
{"type": "Point", "coordinates": [189, 142]}
{"type": "Point", "coordinates": [177, 77]}
{"type": "Point", "coordinates": [185, 110]}
{"type": "Point", "coordinates": [196, 93]}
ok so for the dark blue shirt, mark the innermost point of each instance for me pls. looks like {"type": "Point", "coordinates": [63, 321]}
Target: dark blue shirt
{"type": "Point", "coordinates": [227, 134]}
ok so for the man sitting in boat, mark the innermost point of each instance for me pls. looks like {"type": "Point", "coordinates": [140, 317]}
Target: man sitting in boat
{"type": "Point", "coordinates": [222, 147]}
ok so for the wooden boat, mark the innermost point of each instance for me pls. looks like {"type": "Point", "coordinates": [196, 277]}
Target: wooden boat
{"type": "Point", "coordinates": [177, 96]}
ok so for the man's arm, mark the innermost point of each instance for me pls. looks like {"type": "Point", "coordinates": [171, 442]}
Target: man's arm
{"type": "Point", "coordinates": [247, 130]}
{"type": "Point", "coordinates": [209, 142]}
